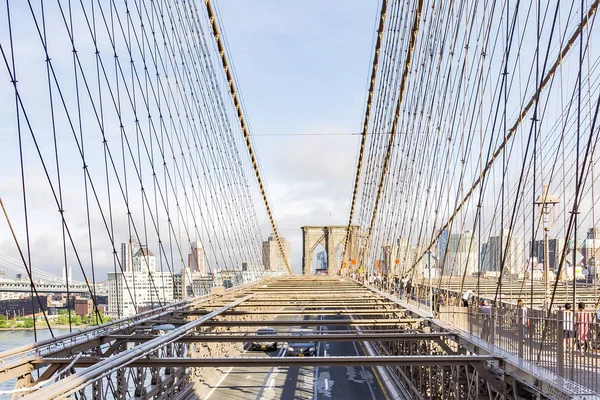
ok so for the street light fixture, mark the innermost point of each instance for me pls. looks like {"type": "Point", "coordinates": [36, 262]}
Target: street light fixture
{"type": "Point", "coordinates": [546, 203]}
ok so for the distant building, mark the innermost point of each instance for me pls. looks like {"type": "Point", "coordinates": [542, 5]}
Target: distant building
{"type": "Point", "coordinates": [144, 260]}
{"type": "Point", "coordinates": [484, 257]}
{"type": "Point", "coordinates": [592, 247]}
{"type": "Point", "coordinates": [555, 250]}
{"type": "Point", "coordinates": [271, 254]}
{"type": "Point", "coordinates": [321, 260]}
{"type": "Point", "coordinates": [461, 254]}
{"type": "Point", "coordinates": [252, 272]}
{"type": "Point", "coordinates": [442, 245]}
{"type": "Point", "coordinates": [399, 258]}
{"type": "Point", "coordinates": [143, 287]}
{"type": "Point", "coordinates": [505, 248]}
{"type": "Point", "coordinates": [83, 307]}
{"type": "Point", "coordinates": [389, 259]}
{"type": "Point", "coordinates": [126, 257]}
{"type": "Point", "coordinates": [127, 251]}
{"type": "Point", "coordinates": [20, 307]}
{"type": "Point", "coordinates": [191, 284]}
{"type": "Point", "coordinates": [197, 260]}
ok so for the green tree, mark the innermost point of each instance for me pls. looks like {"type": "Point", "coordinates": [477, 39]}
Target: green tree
{"type": "Point", "coordinates": [3, 321]}
{"type": "Point", "coordinates": [62, 319]}
{"type": "Point", "coordinates": [28, 322]}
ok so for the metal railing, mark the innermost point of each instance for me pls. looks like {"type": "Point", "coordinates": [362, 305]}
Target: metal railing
{"type": "Point", "coordinates": [564, 343]}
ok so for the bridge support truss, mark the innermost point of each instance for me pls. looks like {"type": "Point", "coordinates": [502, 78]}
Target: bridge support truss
{"type": "Point", "coordinates": [414, 356]}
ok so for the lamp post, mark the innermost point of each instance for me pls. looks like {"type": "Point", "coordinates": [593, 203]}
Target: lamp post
{"type": "Point", "coordinates": [430, 289]}
{"type": "Point", "coordinates": [546, 203]}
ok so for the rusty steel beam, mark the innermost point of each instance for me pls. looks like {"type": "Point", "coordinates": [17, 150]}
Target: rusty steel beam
{"type": "Point", "coordinates": [336, 322]}
{"type": "Point", "coordinates": [284, 361]}
{"type": "Point", "coordinates": [329, 337]}
{"type": "Point", "coordinates": [289, 322]}
{"type": "Point", "coordinates": [309, 303]}
{"type": "Point", "coordinates": [295, 312]}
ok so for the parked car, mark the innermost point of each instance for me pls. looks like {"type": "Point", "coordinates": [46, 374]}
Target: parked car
{"type": "Point", "coordinates": [299, 347]}
{"type": "Point", "coordinates": [264, 345]}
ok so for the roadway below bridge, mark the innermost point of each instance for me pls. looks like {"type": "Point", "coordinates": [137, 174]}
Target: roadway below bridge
{"type": "Point", "coordinates": [307, 382]}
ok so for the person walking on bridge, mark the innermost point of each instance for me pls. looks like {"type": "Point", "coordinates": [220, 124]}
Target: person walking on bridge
{"type": "Point", "coordinates": [486, 320]}
{"type": "Point", "coordinates": [466, 296]}
{"type": "Point", "coordinates": [583, 329]}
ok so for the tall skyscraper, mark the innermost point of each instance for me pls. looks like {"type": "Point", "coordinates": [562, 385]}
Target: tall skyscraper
{"type": "Point", "coordinates": [128, 249]}
{"type": "Point", "coordinates": [197, 260]}
{"type": "Point", "coordinates": [555, 250]}
{"type": "Point", "coordinates": [442, 245]}
{"type": "Point", "coordinates": [271, 254]}
{"type": "Point", "coordinates": [592, 246]}
{"type": "Point", "coordinates": [321, 260]}
{"type": "Point", "coordinates": [504, 248]}
{"type": "Point", "coordinates": [126, 257]}
{"type": "Point", "coordinates": [461, 253]}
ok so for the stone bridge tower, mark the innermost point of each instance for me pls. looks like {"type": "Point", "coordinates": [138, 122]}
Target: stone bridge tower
{"type": "Point", "coordinates": [330, 237]}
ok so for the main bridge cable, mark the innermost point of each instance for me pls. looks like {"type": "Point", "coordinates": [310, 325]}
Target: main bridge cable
{"type": "Point", "coordinates": [570, 43]}
{"type": "Point", "coordinates": [411, 46]}
{"type": "Point", "coordinates": [215, 30]}
{"type": "Point", "coordinates": [364, 133]}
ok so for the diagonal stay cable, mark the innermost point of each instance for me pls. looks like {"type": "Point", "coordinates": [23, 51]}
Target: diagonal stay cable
{"type": "Point", "coordinates": [245, 130]}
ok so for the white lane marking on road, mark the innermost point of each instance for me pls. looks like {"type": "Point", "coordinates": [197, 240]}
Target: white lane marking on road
{"type": "Point", "coordinates": [210, 393]}
{"type": "Point", "coordinates": [281, 352]}
{"type": "Point", "coordinates": [365, 374]}
{"type": "Point", "coordinates": [316, 378]}
{"type": "Point", "coordinates": [325, 384]}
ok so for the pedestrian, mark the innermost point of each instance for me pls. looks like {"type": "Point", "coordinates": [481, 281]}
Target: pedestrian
{"type": "Point", "coordinates": [545, 305]}
{"type": "Point", "coordinates": [521, 316]}
{"type": "Point", "coordinates": [466, 296]}
{"type": "Point", "coordinates": [486, 319]}
{"type": "Point", "coordinates": [583, 329]}
{"type": "Point", "coordinates": [568, 326]}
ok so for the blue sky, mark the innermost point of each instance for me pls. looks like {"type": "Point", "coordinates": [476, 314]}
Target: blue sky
{"type": "Point", "coordinates": [303, 67]}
